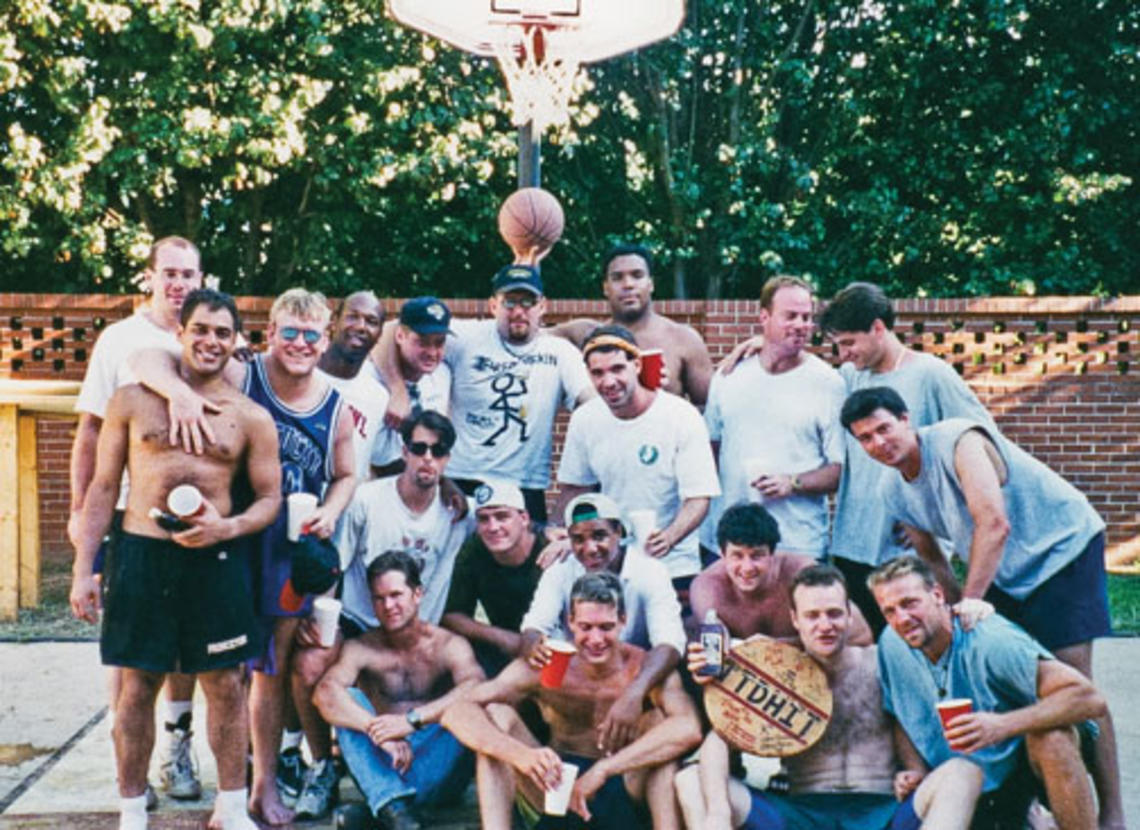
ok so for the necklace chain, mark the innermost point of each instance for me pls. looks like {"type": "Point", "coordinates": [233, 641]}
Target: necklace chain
{"type": "Point", "coordinates": [940, 670]}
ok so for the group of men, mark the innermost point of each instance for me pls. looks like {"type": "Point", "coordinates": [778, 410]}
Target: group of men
{"type": "Point", "coordinates": [428, 441]}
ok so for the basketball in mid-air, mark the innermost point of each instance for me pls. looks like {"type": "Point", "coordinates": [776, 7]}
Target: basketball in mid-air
{"type": "Point", "coordinates": [531, 218]}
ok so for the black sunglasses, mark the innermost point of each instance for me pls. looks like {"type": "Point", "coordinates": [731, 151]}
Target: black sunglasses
{"type": "Point", "coordinates": [437, 450]}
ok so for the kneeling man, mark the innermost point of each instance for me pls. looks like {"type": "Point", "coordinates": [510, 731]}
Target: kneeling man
{"type": "Point", "coordinates": [1025, 704]}
{"type": "Point", "coordinates": [609, 787]}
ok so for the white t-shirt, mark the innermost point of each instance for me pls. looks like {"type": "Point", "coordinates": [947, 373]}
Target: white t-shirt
{"type": "Point", "coordinates": [504, 398]}
{"type": "Point", "coordinates": [789, 420]}
{"type": "Point", "coordinates": [651, 462]}
{"type": "Point", "coordinates": [652, 612]}
{"type": "Point", "coordinates": [108, 368]}
{"type": "Point", "coordinates": [432, 391]}
{"type": "Point", "coordinates": [376, 521]}
{"type": "Point", "coordinates": [366, 399]}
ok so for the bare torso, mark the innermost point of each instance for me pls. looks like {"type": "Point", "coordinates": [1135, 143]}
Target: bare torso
{"type": "Point", "coordinates": [574, 711]}
{"type": "Point", "coordinates": [856, 752]}
{"type": "Point", "coordinates": [767, 612]}
{"type": "Point", "coordinates": [156, 467]}
{"type": "Point", "coordinates": [398, 680]}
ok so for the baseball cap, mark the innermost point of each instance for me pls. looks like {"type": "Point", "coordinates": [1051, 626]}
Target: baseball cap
{"type": "Point", "coordinates": [499, 494]}
{"type": "Point", "coordinates": [517, 278]}
{"type": "Point", "coordinates": [426, 315]}
{"type": "Point", "coordinates": [589, 506]}
{"type": "Point", "coordinates": [315, 567]}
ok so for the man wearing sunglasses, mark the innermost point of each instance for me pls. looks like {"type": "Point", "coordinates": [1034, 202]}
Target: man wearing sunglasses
{"type": "Point", "coordinates": [316, 454]}
{"type": "Point", "coordinates": [508, 380]}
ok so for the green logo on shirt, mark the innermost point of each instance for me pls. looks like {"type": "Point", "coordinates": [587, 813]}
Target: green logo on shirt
{"type": "Point", "coordinates": [648, 454]}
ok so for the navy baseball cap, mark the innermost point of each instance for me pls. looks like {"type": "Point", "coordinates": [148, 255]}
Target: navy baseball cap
{"type": "Point", "coordinates": [426, 315]}
{"type": "Point", "coordinates": [517, 278]}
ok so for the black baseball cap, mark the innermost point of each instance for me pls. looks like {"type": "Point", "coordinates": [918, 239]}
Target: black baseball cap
{"type": "Point", "coordinates": [315, 567]}
{"type": "Point", "coordinates": [517, 278]}
{"type": "Point", "coordinates": [426, 315]}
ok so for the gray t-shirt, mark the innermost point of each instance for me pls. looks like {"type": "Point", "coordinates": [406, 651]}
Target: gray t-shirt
{"type": "Point", "coordinates": [932, 392]}
{"type": "Point", "coordinates": [1051, 522]}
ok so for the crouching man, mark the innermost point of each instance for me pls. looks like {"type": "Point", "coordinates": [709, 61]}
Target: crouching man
{"type": "Point", "coordinates": [385, 694]}
{"type": "Point", "coordinates": [611, 791]}
{"type": "Point", "coordinates": [1021, 731]}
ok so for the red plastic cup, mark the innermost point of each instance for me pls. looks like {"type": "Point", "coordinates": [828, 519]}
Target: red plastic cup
{"type": "Point", "coordinates": [950, 709]}
{"type": "Point", "coordinates": [652, 361]}
{"type": "Point", "coordinates": [553, 672]}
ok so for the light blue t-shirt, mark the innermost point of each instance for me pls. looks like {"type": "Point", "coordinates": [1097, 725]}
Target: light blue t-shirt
{"type": "Point", "coordinates": [932, 391]}
{"type": "Point", "coordinates": [994, 665]}
{"type": "Point", "coordinates": [1051, 522]}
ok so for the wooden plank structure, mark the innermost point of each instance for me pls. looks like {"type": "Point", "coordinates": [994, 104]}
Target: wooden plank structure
{"type": "Point", "coordinates": [21, 402]}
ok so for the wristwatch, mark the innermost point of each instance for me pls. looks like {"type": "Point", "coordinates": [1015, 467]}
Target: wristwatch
{"type": "Point", "coordinates": [415, 719]}
{"type": "Point", "coordinates": [797, 485]}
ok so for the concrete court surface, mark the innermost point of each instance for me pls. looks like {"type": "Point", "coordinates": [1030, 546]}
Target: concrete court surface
{"type": "Point", "coordinates": [55, 751]}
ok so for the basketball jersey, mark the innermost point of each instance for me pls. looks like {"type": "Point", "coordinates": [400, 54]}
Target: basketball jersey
{"type": "Point", "coordinates": [305, 439]}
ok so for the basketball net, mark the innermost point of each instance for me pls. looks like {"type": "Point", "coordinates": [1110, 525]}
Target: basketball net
{"type": "Point", "coordinates": [540, 75]}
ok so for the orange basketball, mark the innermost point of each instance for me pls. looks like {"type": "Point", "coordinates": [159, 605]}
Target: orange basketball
{"type": "Point", "coordinates": [531, 218]}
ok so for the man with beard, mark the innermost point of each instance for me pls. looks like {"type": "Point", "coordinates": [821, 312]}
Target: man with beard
{"type": "Point", "coordinates": [182, 599]}
{"type": "Point", "coordinates": [386, 694]}
{"type": "Point", "coordinates": [627, 283]}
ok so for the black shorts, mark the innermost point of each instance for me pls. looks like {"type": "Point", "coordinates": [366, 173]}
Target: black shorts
{"type": "Point", "coordinates": [168, 608]}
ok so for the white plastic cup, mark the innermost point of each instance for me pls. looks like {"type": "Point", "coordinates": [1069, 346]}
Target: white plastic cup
{"type": "Point", "coordinates": [300, 507]}
{"type": "Point", "coordinates": [558, 799]}
{"type": "Point", "coordinates": [644, 523]}
{"type": "Point", "coordinates": [326, 611]}
{"type": "Point", "coordinates": [185, 501]}
{"type": "Point", "coordinates": [754, 467]}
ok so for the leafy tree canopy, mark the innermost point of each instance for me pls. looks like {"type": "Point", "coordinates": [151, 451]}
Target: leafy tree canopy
{"type": "Point", "coordinates": [961, 148]}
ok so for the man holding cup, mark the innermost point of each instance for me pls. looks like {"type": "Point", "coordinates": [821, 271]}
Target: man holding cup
{"type": "Point", "coordinates": [602, 784]}
{"type": "Point", "coordinates": [646, 449]}
{"type": "Point", "coordinates": [775, 423]}
{"type": "Point", "coordinates": [386, 694]}
{"type": "Point", "coordinates": [653, 621]}
{"type": "Point", "coordinates": [180, 599]}
{"type": "Point", "coordinates": [1028, 719]}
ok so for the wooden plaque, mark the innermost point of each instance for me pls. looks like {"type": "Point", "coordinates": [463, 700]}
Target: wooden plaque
{"type": "Point", "coordinates": [773, 700]}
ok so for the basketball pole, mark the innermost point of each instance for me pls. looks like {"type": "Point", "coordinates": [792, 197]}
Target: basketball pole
{"type": "Point", "coordinates": [530, 156]}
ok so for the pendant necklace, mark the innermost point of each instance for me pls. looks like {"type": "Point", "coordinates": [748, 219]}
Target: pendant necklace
{"type": "Point", "coordinates": [940, 670]}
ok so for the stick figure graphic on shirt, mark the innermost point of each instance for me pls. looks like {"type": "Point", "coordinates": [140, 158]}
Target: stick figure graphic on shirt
{"type": "Point", "coordinates": [508, 387]}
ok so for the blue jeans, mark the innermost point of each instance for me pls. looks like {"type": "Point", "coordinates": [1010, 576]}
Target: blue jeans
{"type": "Point", "coordinates": [441, 767]}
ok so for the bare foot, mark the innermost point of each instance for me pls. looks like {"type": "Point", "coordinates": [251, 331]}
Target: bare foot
{"type": "Point", "coordinates": [267, 808]}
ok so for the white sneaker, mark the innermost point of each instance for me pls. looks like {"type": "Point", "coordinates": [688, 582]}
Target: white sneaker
{"type": "Point", "coordinates": [180, 769]}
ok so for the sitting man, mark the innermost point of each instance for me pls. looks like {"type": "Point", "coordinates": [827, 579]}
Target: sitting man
{"type": "Point", "coordinates": [1025, 702]}
{"type": "Point", "coordinates": [497, 568]}
{"type": "Point", "coordinates": [653, 622]}
{"type": "Point", "coordinates": [180, 600]}
{"type": "Point", "coordinates": [749, 585]}
{"type": "Point", "coordinates": [843, 781]}
{"type": "Point", "coordinates": [510, 757]}
{"type": "Point", "coordinates": [386, 693]}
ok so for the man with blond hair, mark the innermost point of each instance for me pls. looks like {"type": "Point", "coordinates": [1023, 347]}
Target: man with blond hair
{"type": "Point", "coordinates": [316, 453]}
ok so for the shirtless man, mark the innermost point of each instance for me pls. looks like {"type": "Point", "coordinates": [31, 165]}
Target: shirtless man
{"type": "Point", "coordinates": [167, 606]}
{"type": "Point", "coordinates": [510, 757]}
{"type": "Point", "coordinates": [843, 781]}
{"type": "Point", "coordinates": [315, 452]}
{"type": "Point", "coordinates": [628, 286]}
{"type": "Point", "coordinates": [386, 693]}
{"type": "Point", "coordinates": [748, 586]}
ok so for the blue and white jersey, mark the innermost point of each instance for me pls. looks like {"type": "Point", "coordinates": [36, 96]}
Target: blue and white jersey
{"type": "Point", "coordinates": [305, 439]}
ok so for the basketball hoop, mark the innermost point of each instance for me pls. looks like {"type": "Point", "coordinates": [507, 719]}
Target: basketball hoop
{"type": "Point", "coordinates": [540, 44]}
{"type": "Point", "coordinates": [540, 74]}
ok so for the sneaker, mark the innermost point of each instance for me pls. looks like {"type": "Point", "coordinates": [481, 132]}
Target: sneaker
{"type": "Point", "coordinates": [395, 815]}
{"type": "Point", "coordinates": [180, 769]}
{"type": "Point", "coordinates": [151, 798]}
{"type": "Point", "coordinates": [319, 794]}
{"type": "Point", "coordinates": [291, 769]}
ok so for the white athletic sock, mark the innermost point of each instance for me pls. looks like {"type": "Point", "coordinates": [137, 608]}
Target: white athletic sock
{"type": "Point", "coordinates": [230, 807]}
{"type": "Point", "coordinates": [132, 813]}
{"type": "Point", "coordinates": [175, 709]}
{"type": "Point", "coordinates": [291, 740]}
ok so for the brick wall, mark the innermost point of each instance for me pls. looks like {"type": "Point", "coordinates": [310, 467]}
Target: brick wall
{"type": "Point", "coordinates": [1059, 373]}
